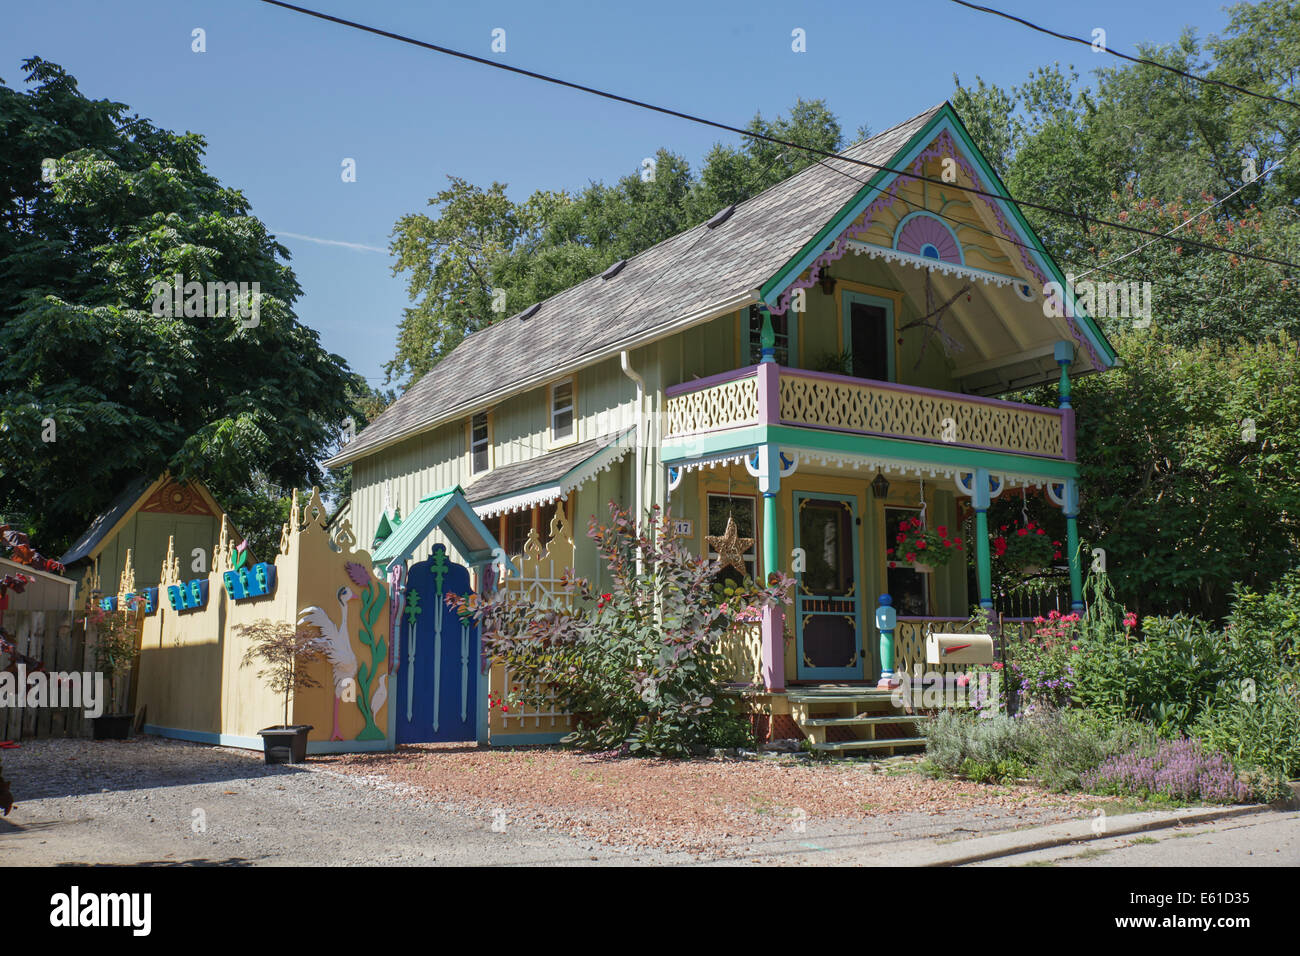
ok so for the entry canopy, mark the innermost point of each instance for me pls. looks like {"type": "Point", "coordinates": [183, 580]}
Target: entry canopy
{"type": "Point", "coordinates": [448, 512]}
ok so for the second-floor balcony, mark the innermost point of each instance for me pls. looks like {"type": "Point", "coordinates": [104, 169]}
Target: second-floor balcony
{"type": "Point", "coordinates": [778, 396]}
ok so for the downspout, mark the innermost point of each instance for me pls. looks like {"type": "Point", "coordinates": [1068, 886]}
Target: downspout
{"type": "Point", "coordinates": [625, 360]}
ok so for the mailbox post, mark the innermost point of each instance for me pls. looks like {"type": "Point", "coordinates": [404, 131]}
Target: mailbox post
{"type": "Point", "coordinates": [886, 621]}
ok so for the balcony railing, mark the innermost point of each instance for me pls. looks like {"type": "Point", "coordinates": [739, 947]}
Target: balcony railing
{"type": "Point", "coordinates": [781, 396]}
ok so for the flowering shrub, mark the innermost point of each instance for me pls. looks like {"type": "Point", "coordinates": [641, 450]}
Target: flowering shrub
{"type": "Point", "coordinates": [914, 544]}
{"type": "Point", "coordinates": [639, 664]}
{"type": "Point", "coordinates": [1026, 546]}
{"type": "Point", "coordinates": [1040, 666]}
{"type": "Point", "coordinates": [1179, 769]}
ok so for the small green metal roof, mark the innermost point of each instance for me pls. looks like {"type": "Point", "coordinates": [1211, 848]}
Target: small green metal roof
{"type": "Point", "coordinates": [450, 513]}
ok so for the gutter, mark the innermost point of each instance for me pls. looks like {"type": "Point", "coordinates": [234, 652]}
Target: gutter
{"type": "Point", "coordinates": [625, 361]}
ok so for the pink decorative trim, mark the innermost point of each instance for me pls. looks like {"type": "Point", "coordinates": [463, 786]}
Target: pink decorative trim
{"type": "Point", "coordinates": [697, 383]}
{"type": "Point", "coordinates": [769, 393]}
{"type": "Point", "coordinates": [1067, 433]}
{"type": "Point", "coordinates": [943, 147]}
{"type": "Point", "coordinates": [773, 630]}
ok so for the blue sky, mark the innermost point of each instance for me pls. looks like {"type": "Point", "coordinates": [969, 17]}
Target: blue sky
{"type": "Point", "coordinates": [282, 99]}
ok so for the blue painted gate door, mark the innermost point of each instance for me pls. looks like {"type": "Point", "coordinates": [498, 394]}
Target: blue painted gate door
{"type": "Point", "coordinates": [437, 675]}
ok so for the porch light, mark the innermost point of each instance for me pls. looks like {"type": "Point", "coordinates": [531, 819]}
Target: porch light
{"type": "Point", "coordinates": [827, 282]}
{"type": "Point", "coordinates": [879, 485]}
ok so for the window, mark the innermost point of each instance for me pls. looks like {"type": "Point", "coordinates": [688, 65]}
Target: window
{"type": "Point", "coordinates": [562, 410]}
{"type": "Point", "coordinates": [909, 588]}
{"type": "Point", "coordinates": [869, 335]}
{"type": "Point", "coordinates": [515, 535]}
{"type": "Point", "coordinates": [780, 325]}
{"type": "Point", "coordinates": [741, 509]}
{"type": "Point", "coordinates": [479, 445]}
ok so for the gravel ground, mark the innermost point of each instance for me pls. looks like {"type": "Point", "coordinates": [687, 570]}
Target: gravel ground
{"type": "Point", "coordinates": [151, 800]}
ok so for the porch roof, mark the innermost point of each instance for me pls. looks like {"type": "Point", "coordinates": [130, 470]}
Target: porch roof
{"type": "Point", "coordinates": [546, 478]}
{"type": "Point", "coordinates": [449, 512]}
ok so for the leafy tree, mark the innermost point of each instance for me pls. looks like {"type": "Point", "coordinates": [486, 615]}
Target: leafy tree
{"type": "Point", "coordinates": [100, 382]}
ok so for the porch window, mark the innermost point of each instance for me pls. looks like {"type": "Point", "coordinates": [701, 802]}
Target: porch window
{"type": "Point", "coordinates": [780, 325]}
{"type": "Point", "coordinates": [562, 410]}
{"type": "Point", "coordinates": [909, 588]}
{"type": "Point", "coordinates": [515, 535]}
{"type": "Point", "coordinates": [741, 509]}
{"type": "Point", "coordinates": [479, 444]}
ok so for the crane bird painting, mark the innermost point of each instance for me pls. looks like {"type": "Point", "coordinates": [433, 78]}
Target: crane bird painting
{"type": "Point", "coordinates": [338, 647]}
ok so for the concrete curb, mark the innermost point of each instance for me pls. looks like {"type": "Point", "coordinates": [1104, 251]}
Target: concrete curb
{"type": "Point", "coordinates": [1012, 843]}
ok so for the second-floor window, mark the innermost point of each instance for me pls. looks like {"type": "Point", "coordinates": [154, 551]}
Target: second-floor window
{"type": "Point", "coordinates": [562, 410]}
{"type": "Point", "coordinates": [780, 325]}
{"type": "Point", "coordinates": [480, 450]}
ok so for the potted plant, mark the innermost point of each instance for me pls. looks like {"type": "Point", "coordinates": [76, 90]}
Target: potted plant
{"type": "Point", "coordinates": [115, 652]}
{"type": "Point", "coordinates": [1026, 548]}
{"type": "Point", "coordinates": [922, 549]}
{"type": "Point", "coordinates": [283, 652]}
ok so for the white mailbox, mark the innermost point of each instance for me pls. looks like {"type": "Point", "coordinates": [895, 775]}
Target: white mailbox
{"type": "Point", "coordinates": [959, 649]}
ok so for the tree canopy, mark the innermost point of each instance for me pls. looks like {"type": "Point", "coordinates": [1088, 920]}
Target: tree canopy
{"type": "Point", "coordinates": [101, 379]}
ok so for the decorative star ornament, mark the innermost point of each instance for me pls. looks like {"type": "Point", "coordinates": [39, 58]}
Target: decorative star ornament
{"type": "Point", "coordinates": [730, 546]}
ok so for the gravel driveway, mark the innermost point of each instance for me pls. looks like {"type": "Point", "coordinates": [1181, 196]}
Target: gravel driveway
{"type": "Point", "coordinates": [151, 800]}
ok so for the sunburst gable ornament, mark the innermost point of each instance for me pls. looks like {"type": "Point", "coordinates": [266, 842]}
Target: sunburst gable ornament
{"type": "Point", "coordinates": [730, 546]}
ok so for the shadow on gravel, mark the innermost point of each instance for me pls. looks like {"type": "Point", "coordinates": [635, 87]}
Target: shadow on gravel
{"type": "Point", "coordinates": [197, 861]}
{"type": "Point", "coordinates": [60, 767]}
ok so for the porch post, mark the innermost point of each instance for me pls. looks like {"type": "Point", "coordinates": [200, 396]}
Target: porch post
{"type": "Point", "coordinates": [773, 626]}
{"type": "Point", "coordinates": [1072, 544]}
{"type": "Point", "coordinates": [980, 499]}
{"type": "Point", "coordinates": [886, 621]}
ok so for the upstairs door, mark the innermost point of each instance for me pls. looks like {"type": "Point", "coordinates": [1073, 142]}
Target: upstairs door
{"type": "Point", "coordinates": [869, 335]}
{"type": "Point", "coordinates": [828, 596]}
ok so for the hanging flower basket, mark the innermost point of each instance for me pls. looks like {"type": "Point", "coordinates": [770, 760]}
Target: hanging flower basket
{"type": "Point", "coordinates": [920, 549]}
{"type": "Point", "coordinates": [1025, 548]}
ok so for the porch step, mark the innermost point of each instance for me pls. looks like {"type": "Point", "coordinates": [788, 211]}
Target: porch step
{"type": "Point", "coordinates": [842, 745]}
{"type": "Point", "coordinates": [839, 695]}
{"type": "Point", "coordinates": [862, 721]}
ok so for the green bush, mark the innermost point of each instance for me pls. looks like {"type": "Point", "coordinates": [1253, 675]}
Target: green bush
{"type": "Point", "coordinates": [1258, 730]}
{"type": "Point", "coordinates": [959, 743]}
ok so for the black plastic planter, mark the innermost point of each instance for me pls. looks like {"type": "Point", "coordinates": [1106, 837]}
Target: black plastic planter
{"type": "Point", "coordinates": [285, 744]}
{"type": "Point", "coordinates": [111, 726]}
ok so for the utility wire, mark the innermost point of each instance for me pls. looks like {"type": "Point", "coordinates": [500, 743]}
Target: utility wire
{"type": "Point", "coordinates": [401, 38]}
{"type": "Point", "coordinates": [1125, 56]}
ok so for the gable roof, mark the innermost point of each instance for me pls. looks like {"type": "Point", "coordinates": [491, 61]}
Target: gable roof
{"type": "Point", "coordinates": [691, 277]}
{"type": "Point", "coordinates": [87, 544]}
{"type": "Point", "coordinates": [448, 511]}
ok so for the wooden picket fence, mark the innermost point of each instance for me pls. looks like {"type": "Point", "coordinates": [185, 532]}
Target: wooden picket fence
{"type": "Point", "coordinates": [58, 640]}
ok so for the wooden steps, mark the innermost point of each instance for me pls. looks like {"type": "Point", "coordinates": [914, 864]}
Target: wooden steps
{"type": "Point", "coordinates": [862, 721]}
{"type": "Point", "coordinates": [859, 709]}
{"type": "Point", "coordinates": [841, 746]}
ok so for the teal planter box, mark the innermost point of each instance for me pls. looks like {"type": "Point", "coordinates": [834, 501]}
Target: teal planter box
{"type": "Point", "coordinates": [257, 581]}
{"type": "Point", "coordinates": [188, 596]}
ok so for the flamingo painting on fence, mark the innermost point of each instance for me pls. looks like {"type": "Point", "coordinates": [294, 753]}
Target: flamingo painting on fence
{"type": "Point", "coordinates": [338, 649]}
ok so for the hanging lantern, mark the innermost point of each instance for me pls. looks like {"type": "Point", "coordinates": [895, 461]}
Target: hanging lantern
{"type": "Point", "coordinates": [827, 283]}
{"type": "Point", "coordinates": [879, 485]}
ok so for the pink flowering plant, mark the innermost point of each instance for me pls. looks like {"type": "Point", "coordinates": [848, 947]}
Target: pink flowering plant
{"type": "Point", "coordinates": [638, 661]}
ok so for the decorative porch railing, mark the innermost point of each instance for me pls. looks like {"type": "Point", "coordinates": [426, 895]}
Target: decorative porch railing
{"type": "Point", "coordinates": [866, 407]}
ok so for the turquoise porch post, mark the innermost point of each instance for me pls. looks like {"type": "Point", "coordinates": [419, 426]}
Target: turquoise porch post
{"type": "Point", "coordinates": [1072, 544]}
{"type": "Point", "coordinates": [980, 498]}
{"type": "Point", "coordinates": [886, 621]}
{"type": "Point", "coordinates": [1064, 354]}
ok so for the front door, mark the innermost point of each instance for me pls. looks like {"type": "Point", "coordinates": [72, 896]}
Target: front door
{"type": "Point", "coordinates": [438, 662]}
{"type": "Point", "coordinates": [869, 335]}
{"type": "Point", "coordinates": [828, 600]}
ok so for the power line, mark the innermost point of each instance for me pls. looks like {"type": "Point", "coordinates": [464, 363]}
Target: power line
{"type": "Point", "coordinates": [1124, 56]}
{"type": "Point", "coordinates": [401, 38]}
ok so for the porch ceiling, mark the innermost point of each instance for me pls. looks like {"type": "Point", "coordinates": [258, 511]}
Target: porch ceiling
{"type": "Point", "coordinates": [1000, 341]}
